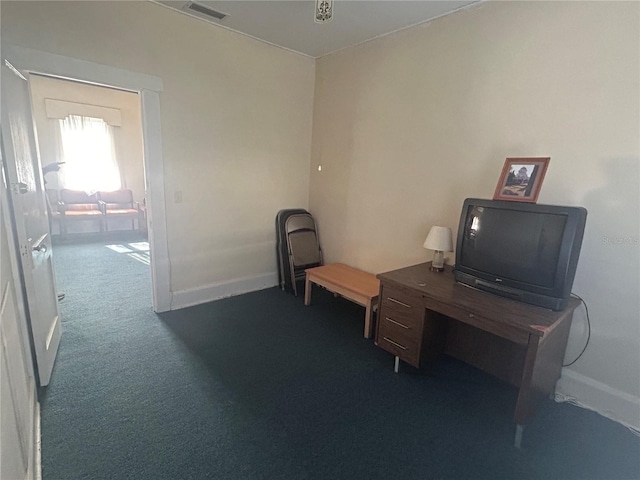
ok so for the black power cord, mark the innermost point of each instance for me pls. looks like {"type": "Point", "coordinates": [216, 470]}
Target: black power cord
{"type": "Point", "coordinates": [588, 331]}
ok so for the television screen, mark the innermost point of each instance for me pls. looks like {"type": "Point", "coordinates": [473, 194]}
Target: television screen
{"type": "Point", "coordinates": [527, 251]}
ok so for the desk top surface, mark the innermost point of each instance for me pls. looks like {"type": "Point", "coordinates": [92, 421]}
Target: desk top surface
{"type": "Point", "coordinates": [442, 287]}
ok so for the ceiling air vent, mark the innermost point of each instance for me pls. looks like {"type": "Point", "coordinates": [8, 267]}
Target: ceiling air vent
{"type": "Point", "coordinates": [202, 10]}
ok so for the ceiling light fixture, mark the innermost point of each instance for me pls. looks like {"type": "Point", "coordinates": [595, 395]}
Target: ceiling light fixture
{"type": "Point", "coordinates": [324, 11]}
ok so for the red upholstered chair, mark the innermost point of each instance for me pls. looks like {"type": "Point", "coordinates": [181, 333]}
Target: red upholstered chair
{"type": "Point", "coordinates": [119, 204]}
{"type": "Point", "coordinates": [76, 205]}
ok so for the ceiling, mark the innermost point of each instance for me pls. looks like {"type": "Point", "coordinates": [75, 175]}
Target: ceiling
{"type": "Point", "coordinates": [290, 23]}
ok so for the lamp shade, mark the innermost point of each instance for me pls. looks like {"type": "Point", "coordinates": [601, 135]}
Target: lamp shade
{"type": "Point", "coordinates": [439, 238]}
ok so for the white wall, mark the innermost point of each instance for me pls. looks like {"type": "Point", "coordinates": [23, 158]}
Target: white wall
{"type": "Point", "coordinates": [128, 136]}
{"type": "Point", "coordinates": [407, 126]}
{"type": "Point", "coordinates": [236, 125]}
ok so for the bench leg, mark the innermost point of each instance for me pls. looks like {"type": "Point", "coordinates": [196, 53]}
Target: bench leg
{"type": "Point", "coordinates": [307, 290]}
{"type": "Point", "coordinates": [368, 323]}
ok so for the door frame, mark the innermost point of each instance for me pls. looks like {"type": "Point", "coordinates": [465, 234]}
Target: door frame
{"type": "Point", "coordinates": [148, 88]}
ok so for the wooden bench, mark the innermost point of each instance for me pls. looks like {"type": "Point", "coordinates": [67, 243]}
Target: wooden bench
{"type": "Point", "coordinates": [360, 287]}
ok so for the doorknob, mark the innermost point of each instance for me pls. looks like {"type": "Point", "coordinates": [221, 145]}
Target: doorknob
{"type": "Point", "coordinates": [40, 246]}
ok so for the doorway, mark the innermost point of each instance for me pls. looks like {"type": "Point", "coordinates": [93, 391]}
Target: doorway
{"type": "Point", "coordinates": [148, 88]}
{"type": "Point", "coordinates": [90, 143]}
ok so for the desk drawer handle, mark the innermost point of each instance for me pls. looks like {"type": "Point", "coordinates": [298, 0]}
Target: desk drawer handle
{"type": "Point", "coordinates": [394, 343]}
{"type": "Point", "coordinates": [398, 302]}
{"type": "Point", "coordinates": [397, 323]}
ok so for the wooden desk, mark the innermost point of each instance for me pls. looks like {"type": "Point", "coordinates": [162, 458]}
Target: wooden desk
{"type": "Point", "coordinates": [353, 284]}
{"type": "Point", "coordinates": [423, 314]}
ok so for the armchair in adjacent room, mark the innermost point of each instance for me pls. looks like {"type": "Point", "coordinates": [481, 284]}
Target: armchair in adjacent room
{"type": "Point", "coordinates": [119, 204]}
{"type": "Point", "coordinates": [76, 205]}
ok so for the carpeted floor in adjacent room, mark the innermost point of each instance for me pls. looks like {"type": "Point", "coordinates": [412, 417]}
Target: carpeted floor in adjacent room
{"type": "Point", "coordinates": [259, 386]}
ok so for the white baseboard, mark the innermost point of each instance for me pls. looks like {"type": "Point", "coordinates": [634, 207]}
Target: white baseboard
{"type": "Point", "coordinates": [585, 392]}
{"type": "Point", "coordinates": [216, 291]}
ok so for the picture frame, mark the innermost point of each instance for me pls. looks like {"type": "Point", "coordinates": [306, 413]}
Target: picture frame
{"type": "Point", "coordinates": [521, 179]}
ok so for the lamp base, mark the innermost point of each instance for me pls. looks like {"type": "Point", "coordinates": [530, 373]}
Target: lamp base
{"type": "Point", "coordinates": [438, 261]}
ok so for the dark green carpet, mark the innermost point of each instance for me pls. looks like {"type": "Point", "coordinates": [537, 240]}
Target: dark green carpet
{"type": "Point", "coordinates": [261, 387]}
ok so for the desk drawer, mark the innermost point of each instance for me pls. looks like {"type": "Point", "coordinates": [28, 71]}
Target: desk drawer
{"type": "Point", "coordinates": [401, 306]}
{"type": "Point", "coordinates": [408, 352]}
{"type": "Point", "coordinates": [397, 330]}
{"type": "Point", "coordinates": [409, 319]}
{"type": "Point", "coordinates": [469, 317]}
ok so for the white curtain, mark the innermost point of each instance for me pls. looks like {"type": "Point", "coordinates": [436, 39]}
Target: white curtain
{"type": "Point", "coordinates": [88, 150]}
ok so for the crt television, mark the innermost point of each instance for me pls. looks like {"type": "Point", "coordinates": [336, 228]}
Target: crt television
{"type": "Point", "coordinates": [524, 251]}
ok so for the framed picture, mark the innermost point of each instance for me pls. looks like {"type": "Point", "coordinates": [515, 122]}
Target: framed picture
{"type": "Point", "coordinates": [521, 179]}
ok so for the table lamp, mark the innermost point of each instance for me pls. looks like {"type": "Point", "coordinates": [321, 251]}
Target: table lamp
{"type": "Point", "coordinates": [440, 240]}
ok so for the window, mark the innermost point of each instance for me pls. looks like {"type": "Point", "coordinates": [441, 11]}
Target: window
{"type": "Point", "coordinates": [88, 151]}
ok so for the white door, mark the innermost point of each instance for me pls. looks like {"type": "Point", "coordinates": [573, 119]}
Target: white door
{"type": "Point", "coordinates": [28, 202]}
{"type": "Point", "coordinates": [18, 407]}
